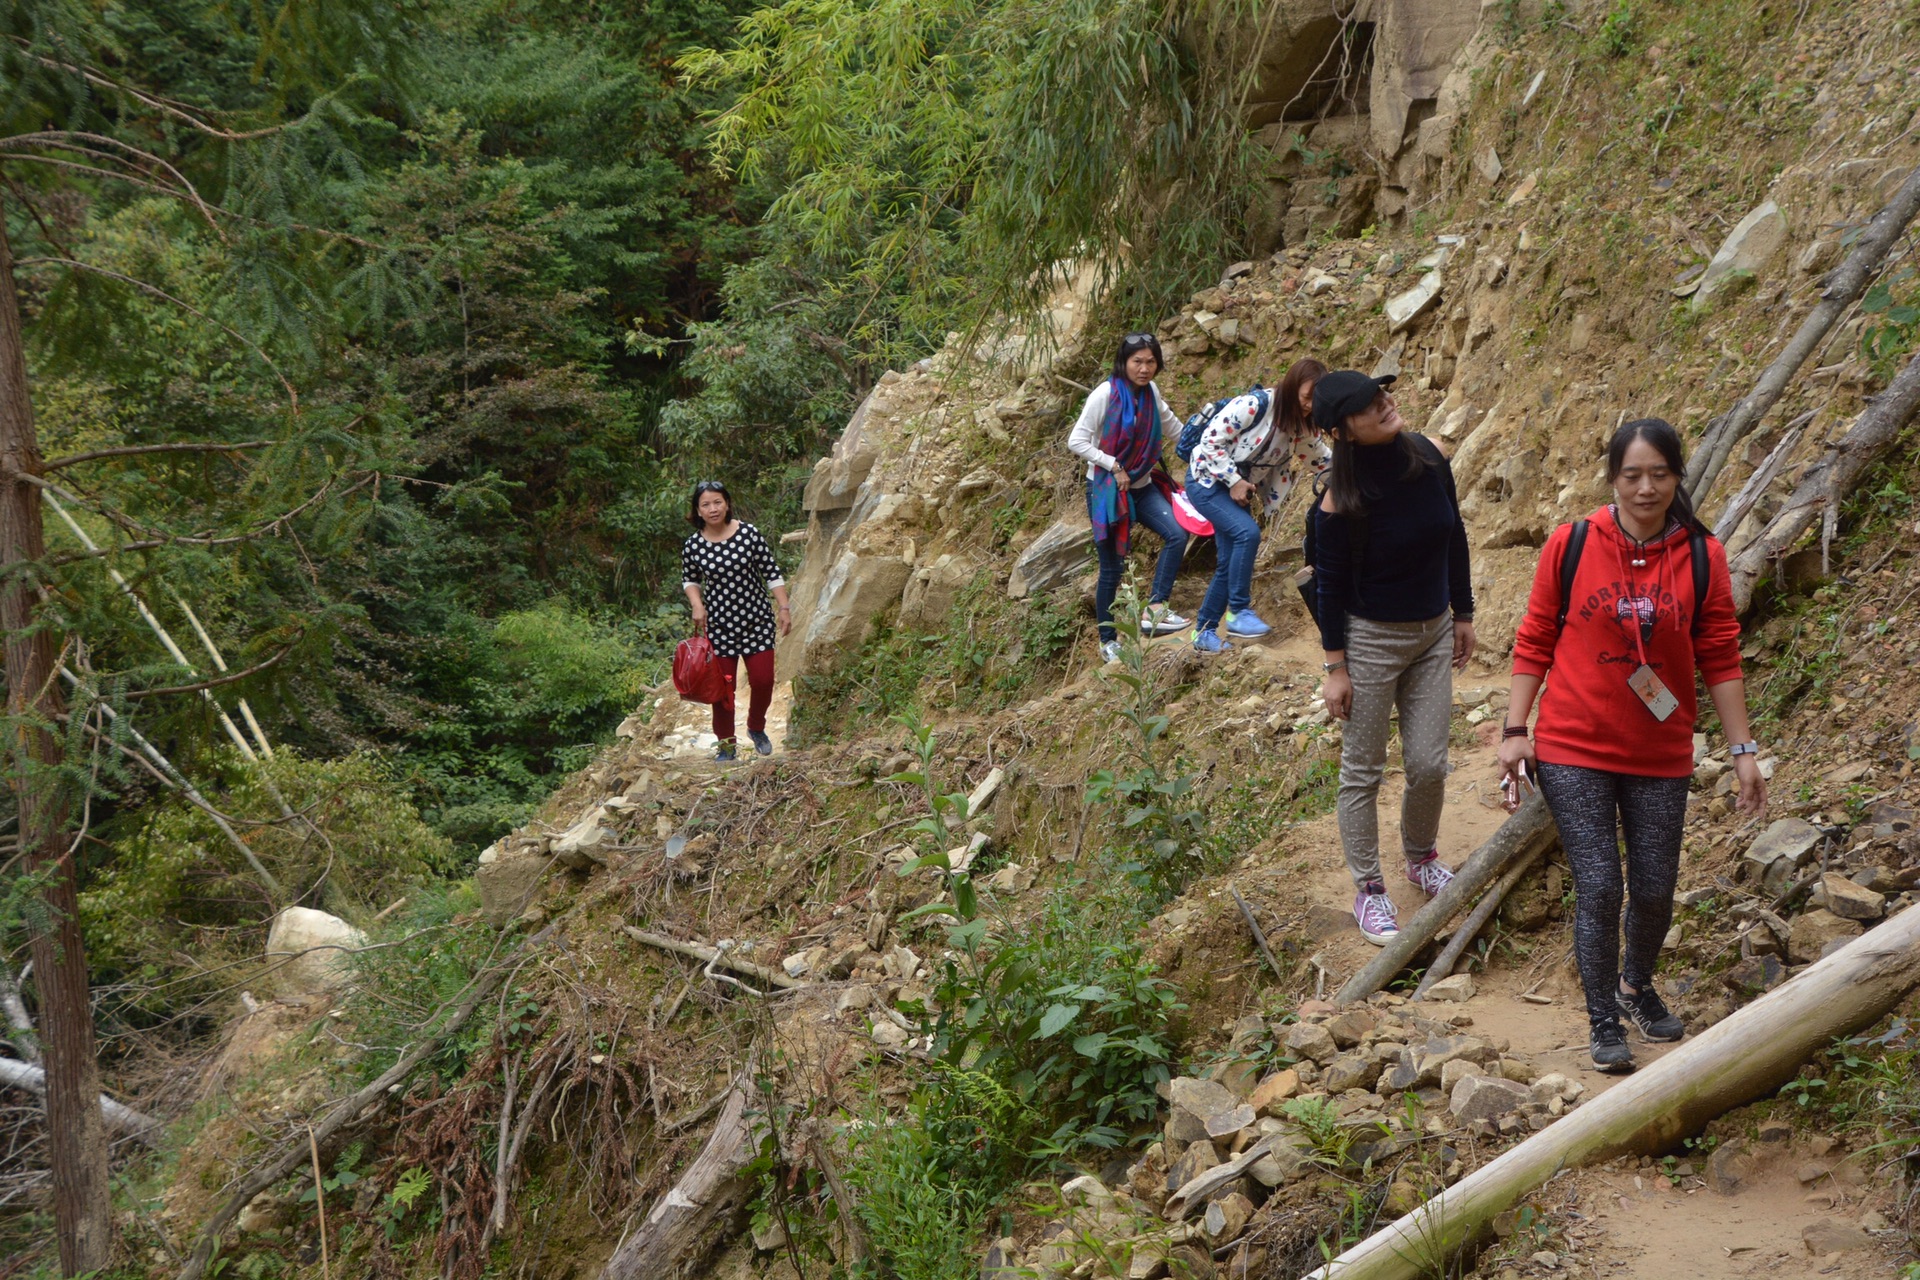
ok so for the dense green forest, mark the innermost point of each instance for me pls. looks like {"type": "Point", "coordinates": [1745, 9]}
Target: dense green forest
{"type": "Point", "coordinates": [354, 362]}
{"type": "Point", "coordinates": [373, 349]}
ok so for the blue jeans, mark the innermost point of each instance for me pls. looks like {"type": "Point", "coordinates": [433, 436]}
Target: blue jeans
{"type": "Point", "coordinates": [1150, 508]}
{"type": "Point", "coordinates": [1236, 537]}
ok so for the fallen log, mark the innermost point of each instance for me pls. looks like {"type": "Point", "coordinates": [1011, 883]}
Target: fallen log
{"type": "Point", "coordinates": [675, 1236]}
{"type": "Point", "coordinates": [1515, 837]}
{"type": "Point", "coordinates": [1844, 287]}
{"type": "Point", "coordinates": [119, 1117]}
{"type": "Point", "coordinates": [1748, 1056]}
{"type": "Point", "coordinates": [1825, 485]}
{"type": "Point", "coordinates": [715, 957]}
{"type": "Point", "coordinates": [1477, 919]}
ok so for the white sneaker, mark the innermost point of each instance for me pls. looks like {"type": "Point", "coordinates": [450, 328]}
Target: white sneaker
{"type": "Point", "coordinates": [1160, 620]}
{"type": "Point", "coordinates": [1110, 651]}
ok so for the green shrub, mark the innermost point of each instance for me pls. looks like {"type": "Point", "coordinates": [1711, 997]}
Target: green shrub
{"type": "Point", "coordinates": [178, 886]}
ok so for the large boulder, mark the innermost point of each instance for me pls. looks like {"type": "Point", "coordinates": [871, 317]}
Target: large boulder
{"type": "Point", "coordinates": [313, 946]}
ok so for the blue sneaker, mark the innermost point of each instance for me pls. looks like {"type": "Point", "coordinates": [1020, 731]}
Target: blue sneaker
{"type": "Point", "coordinates": [1208, 641]}
{"type": "Point", "coordinates": [726, 754]}
{"type": "Point", "coordinates": [761, 742]}
{"type": "Point", "coordinates": [1246, 624]}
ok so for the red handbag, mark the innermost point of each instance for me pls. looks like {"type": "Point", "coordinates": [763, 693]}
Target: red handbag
{"type": "Point", "coordinates": [696, 671]}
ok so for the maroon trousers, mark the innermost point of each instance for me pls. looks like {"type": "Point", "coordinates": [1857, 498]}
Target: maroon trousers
{"type": "Point", "coordinates": [759, 694]}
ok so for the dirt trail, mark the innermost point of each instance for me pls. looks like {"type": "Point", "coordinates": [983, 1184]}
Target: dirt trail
{"type": "Point", "coordinates": [690, 736]}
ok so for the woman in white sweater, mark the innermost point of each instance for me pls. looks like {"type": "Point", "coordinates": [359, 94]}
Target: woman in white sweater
{"type": "Point", "coordinates": [1120, 433]}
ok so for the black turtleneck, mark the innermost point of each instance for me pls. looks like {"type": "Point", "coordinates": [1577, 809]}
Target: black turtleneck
{"type": "Point", "coordinates": [1414, 562]}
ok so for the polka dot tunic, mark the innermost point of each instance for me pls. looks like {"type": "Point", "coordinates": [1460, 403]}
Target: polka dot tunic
{"type": "Point", "coordinates": [733, 576]}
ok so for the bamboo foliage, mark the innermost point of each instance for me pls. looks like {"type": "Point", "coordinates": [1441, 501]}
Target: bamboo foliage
{"type": "Point", "coordinates": [942, 145]}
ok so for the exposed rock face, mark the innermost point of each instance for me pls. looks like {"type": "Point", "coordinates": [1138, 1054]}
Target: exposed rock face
{"type": "Point", "coordinates": [317, 943]}
{"type": "Point", "coordinates": [1062, 553]}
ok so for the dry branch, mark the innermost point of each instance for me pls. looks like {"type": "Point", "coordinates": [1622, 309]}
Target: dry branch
{"type": "Point", "coordinates": [1259, 935]}
{"type": "Point", "coordinates": [675, 1233]}
{"type": "Point", "coordinates": [1519, 834]}
{"type": "Point", "coordinates": [1745, 1057]}
{"type": "Point", "coordinates": [345, 1112]}
{"type": "Point", "coordinates": [715, 956]}
{"type": "Point", "coordinates": [1826, 484]}
{"type": "Point", "coordinates": [1844, 287]}
{"type": "Point", "coordinates": [118, 1116]}
{"type": "Point", "coordinates": [1477, 919]}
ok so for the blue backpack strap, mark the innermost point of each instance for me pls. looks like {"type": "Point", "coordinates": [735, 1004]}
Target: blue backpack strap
{"type": "Point", "coordinates": [1569, 565]}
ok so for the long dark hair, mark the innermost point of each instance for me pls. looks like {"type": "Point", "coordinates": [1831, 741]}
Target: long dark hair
{"type": "Point", "coordinates": [1132, 343]}
{"type": "Point", "coordinates": [1287, 415]}
{"type": "Point", "coordinates": [693, 502]}
{"type": "Point", "coordinates": [1659, 433]}
{"type": "Point", "coordinates": [1350, 495]}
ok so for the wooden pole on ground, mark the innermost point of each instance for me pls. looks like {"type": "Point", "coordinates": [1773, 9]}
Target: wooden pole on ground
{"type": "Point", "coordinates": [1516, 836]}
{"type": "Point", "coordinates": [1477, 920]}
{"type": "Point", "coordinates": [1745, 1057]}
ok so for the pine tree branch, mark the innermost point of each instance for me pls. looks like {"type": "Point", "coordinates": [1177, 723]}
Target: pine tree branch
{"type": "Point", "coordinates": [128, 451]}
{"type": "Point", "coordinates": [115, 152]}
{"type": "Point", "coordinates": [161, 537]}
{"type": "Point", "coordinates": [232, 677]}
{"type": "Point", "coordinates": [166, 106]}
{"type": "Point", "coordinates": [293, 397]}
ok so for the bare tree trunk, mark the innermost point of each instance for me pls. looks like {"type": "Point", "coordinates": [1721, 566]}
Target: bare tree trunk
{"type": "Point", "coordinates": [76, 1139]}
{"type": "Point", "coordinates": [1844, 287]}
{"type": "Point", "coordinates": [1825, 485]}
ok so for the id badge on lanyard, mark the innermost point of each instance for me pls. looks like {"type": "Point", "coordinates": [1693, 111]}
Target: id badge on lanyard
{"type": "Point", "coordinates": [1645, 681]}
{"type": "Point", "coordinates": [1652, 690]}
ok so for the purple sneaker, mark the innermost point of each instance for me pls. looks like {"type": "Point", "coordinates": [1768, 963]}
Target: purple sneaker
{"type": "Point", "coordinates": [1430, 873]}
{"type": "Point", "coordinates": [1373, 911]}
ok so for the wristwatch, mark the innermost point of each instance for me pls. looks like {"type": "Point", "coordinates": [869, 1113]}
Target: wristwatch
{"type": "Point", "coordinates": [1744, 749]}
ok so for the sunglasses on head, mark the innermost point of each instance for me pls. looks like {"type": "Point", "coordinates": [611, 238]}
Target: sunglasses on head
{"type": "Point", "coordinates": [1139, 338]}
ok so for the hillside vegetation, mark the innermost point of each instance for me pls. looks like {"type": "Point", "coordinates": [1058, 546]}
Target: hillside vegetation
{"type": "Point", "coordinates": [1005, 947]}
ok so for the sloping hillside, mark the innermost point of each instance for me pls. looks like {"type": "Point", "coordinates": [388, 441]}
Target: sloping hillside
{"type": "Point", "coordinates": [1559, 235]}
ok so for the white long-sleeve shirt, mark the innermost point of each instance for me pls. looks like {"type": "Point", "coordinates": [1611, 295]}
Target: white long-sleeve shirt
{"type": "Point", "coordinates": [1084, 440]}
{"type": "Point", "coordinates": [1238, 435]}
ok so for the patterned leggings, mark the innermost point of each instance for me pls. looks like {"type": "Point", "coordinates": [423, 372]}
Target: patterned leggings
{"type": "Point", "coordinates": [1650, 812]}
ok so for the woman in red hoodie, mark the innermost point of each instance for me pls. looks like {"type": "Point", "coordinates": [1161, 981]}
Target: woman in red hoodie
{"type": "Point", "coordinates": [1615, 731]}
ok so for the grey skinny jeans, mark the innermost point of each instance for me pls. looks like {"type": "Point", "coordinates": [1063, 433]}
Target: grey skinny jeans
{"type": "Point", "coordinates": [1409, 666]}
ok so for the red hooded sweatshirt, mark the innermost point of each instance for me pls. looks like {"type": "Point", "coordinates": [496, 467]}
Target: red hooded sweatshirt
{"type": "Point", "coordinates": [1588, 715]}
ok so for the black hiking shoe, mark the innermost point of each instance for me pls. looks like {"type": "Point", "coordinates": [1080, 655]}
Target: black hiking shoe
{"type": "Point", "coordinates": [1609, 1048]}
{"type": "Point", "coordinates": [1644, 1010]}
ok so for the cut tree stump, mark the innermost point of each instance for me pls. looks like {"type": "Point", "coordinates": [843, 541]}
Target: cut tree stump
{"type": "Point", "coordinates": [1748, 1056]}
{"type": "Point", "coordinates": [1518, 835]}
{"type": "Point", "coordinates": [678, 1232]}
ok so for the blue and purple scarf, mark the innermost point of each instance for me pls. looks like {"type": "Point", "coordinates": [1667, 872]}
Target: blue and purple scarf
{"type": "Point", "coordinates": [1130, 433]}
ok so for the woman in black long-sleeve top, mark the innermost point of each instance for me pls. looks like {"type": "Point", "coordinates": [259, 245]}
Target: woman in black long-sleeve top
{"type": "Point", "coordinates": [1396, 619]}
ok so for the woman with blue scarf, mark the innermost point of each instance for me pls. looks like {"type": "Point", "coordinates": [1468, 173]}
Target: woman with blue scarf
{"type": "Point", "coordinates": [1119, 434]}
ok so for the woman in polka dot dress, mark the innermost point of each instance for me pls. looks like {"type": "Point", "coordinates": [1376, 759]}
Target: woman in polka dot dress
{"type": "Point", "coordinates": [726, 569]}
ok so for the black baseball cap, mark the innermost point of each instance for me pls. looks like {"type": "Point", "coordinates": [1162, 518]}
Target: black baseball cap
{"type": "Point", "coordinates": [1338, 395]}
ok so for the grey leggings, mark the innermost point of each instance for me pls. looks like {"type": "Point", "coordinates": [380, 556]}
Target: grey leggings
{"type": "Point", "coordinates": [1651, 812]}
